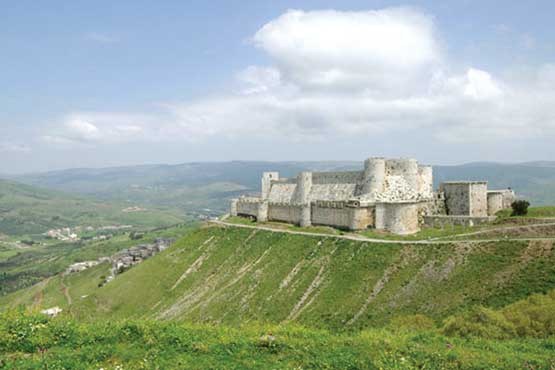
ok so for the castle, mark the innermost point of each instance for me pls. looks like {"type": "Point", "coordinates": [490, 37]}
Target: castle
{"type": "Point", "coordinates": [394, 195]}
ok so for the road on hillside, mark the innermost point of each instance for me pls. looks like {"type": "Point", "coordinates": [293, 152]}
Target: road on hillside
{"type": "Point", "coordinates": [361, 238]}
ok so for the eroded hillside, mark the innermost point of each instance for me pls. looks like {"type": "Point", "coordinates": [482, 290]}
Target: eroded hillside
{"type": "Point", "coordinates": [234, 275]}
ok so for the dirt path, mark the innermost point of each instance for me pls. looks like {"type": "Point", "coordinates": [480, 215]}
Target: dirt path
{"type": "Point", "coordinates": [65, 290]}
{"type": "Point", "coordinates": [497, 229]}
{"type": "Point", "coordinates": [381, 241]}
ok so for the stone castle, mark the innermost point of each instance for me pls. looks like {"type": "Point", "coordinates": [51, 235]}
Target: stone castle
{"type": "Point", "coordinates": [394, 195]}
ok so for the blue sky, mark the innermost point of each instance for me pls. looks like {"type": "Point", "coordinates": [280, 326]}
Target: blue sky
{"type": "Point", "coordinates": [129, 82]}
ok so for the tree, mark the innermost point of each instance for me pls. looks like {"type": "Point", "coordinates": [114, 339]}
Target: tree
{"type": "Point", "coordinates": [520, 207]}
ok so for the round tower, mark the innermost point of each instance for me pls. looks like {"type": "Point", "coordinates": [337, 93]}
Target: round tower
{"type": "Point", "coordinates": [406, 168]}
{"type": "Point", "coordinates": [374, 176]}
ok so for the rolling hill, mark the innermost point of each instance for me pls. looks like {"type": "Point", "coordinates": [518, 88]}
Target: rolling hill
{"type": "Point", "coordinates": [26, 209]}
{"type": "Point", "coordinates": [205, 188]}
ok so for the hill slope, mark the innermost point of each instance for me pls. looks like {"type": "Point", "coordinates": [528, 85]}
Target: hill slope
{"type": "Point", "coordinates": [233, 276]}
{"type": "Point", "coordinates": [26, 209]}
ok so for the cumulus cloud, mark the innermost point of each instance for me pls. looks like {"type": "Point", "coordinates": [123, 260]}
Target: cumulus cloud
{"type": "Point", "coordinates": [372, 50]}
{"type": "Point", "coordinates": [87, 127]}
{"type": "Point", "coordinates": [346, 74]}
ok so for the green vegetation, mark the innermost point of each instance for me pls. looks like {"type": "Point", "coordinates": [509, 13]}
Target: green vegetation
{"type": "Point", "coordinates": [33, 341]}
{"type": "Point", "coordinates": [28, 210]}
{"type": "Point", "coordinates": [520, 208]}
{"type": "Point", "coordinates": [233, 276]}
{"type": "Point", "coordinates": [533, 212]}
{"type": "Point", "coordinates": [227, 297]}
{"type": "Point", "coordinates": [31, 265]}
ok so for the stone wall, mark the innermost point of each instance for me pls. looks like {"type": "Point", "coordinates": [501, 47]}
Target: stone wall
{"type": "Point", "coordinates": [337, 217]}
{"type": "Point", "coordinates": [284, 212]}
{"type": "Point", "coordinates": [479, 199]}
{"type": "Point", "coordinates": [495, 202]}
{"type": "Point", "coordinates": [457, 198]}
{"type": "Point", "coordinates": [247, 208]}
{"type": "Point", "coordinates": [347, 177]}
{"type": "Point", "coordinates": [398, 218]}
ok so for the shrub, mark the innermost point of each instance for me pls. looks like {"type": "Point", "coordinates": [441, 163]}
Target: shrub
{"type": "Point", "coordinates": [520, 207]}
{"type": "Point", "coordinates": [480, 322]}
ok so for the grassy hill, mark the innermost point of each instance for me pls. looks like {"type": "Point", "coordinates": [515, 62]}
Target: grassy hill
{"type": "Point", "coordinates": [235, 276]}
{"type": "Point", "coordinates": [24, 267]}
{"type": "Point", "coordinates": [26, 209]}
{"type": "Point", "coordinates": [204, 188]}
{"type": "Point", "coordinates": [228, 297]}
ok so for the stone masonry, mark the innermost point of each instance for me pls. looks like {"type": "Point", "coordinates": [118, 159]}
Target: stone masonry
{"type": "Point", "coordinates": [394, 195]}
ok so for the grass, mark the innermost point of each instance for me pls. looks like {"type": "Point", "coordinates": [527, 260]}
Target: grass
{"type": "Point", "coordinates": [533, 212]}
{"type": "Point", "coordinates": [32, 342]}
{"type": "Point", "coordinates": [234, 276]}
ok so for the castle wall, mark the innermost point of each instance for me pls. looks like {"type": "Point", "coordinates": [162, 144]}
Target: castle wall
{"type": "Point", "coordinates": [342, 216]}
{"type": "Point", "coordinates": [266, 185]}
{"type": "Point", "coordinates": [425, 180]}
{"type": "Point", "coordinates": [508, 197]}
{"type": "Point", "coordinates": [247, 208]}
{"type": "Point", "coordinates": [479, 199]}
{"type": "Point", "coordinates": [233, 207]}
{"type": "Point", "coordinates": [285, 212]}
{"type": "Point", "coordinates": [362, 218]}
{"type": "Point", "coordinates": [495, 202]}
{"type": "Point", "coordinates": [457, 198]}
{"type": "Point", "coordinates": [346, 177]}
{"type": "Point", "coordinates": [406, 168]}
{"type": "Point", "coordinates": [401, 218]}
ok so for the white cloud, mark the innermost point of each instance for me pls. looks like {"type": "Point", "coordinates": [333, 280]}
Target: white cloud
{"type": "Point", "coordinates": [345, 74]}
{"type": "Point", "coordinates": [373, 50]}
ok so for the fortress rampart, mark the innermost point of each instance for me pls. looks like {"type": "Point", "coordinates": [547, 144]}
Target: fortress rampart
{"type": "Point", "coordinates": [394, 195]}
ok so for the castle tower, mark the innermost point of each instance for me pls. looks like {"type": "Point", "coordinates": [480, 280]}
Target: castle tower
{"type": "Point", "coordinates": [267, 178]}
{"type": "Point", "coordinates": [406, 168]}
{"type": "Point", "coordinates": [304, 186]}
{"type": "Point", "coordinates": [374, 176]}
{"type": "Point", "coordinates": [426, 180]}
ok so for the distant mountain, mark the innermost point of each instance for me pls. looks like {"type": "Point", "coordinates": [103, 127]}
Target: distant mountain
{"type": "Point", "coordinates": [205, 188]}
{"type": "Point", "coordinates": [26, 209]}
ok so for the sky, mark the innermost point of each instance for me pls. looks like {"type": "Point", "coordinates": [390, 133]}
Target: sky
{"type": "Point", "coordinates": [106, 83]}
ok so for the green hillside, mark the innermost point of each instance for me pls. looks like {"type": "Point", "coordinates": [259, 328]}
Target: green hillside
{"type": "Point", "coordinates": [234, 276]}
{"type": "Point", "coordinates": [26, 210]}
{"type": "Point", "coordinates": [24, 267]}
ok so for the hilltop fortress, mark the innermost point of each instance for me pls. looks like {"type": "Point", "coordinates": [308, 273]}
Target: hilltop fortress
{"type": "Point", "coordinates": [394, 195]}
